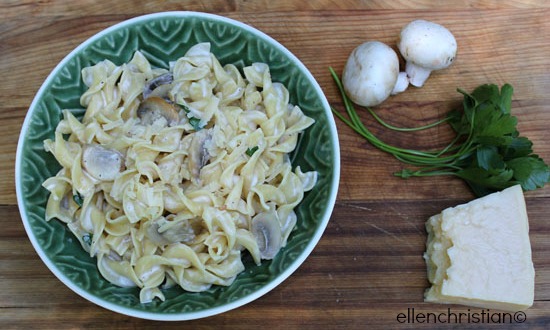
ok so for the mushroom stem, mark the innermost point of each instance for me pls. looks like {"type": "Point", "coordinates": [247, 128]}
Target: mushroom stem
{"type": "Point", "coordinates": [417, 74]}
{"type": "Point", "coordinates": [401, 84]}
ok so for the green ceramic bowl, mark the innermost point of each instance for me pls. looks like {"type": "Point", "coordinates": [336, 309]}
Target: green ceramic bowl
{"type": "Point", "coordinates": [163, 37]}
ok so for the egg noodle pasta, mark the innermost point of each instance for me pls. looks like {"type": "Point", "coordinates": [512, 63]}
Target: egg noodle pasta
{"type": "Point", "coordinates": [171, 176]}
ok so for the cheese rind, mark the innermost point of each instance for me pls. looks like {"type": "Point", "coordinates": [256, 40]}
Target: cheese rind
{"type": "Point", "coordinates": [479, 254]}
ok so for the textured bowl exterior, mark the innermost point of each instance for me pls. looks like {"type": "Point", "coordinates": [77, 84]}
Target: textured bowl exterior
{"type": "Point", "coordinates": [164, 37]}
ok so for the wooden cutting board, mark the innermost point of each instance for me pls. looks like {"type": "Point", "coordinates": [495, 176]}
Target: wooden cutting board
{"type": "Point", "coordinates": [367, 269]}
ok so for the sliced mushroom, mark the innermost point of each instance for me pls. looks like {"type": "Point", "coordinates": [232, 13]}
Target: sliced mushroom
{"type": "Point", "coordinates": [157, 86]}
{"type": "Point", "coordinates": [267, 232]}
{"type": "Point", "coordinates": [102, 163]}
{"type": "Point", "coordinates": [198, 153]}
{"type": "Point", "coordinates": [164, 232]}
{"type": "Point", "coordinates": [154, 108]}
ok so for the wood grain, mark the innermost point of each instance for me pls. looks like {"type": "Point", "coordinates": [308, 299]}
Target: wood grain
{"type": "Point", "coordinates": [368, 266]}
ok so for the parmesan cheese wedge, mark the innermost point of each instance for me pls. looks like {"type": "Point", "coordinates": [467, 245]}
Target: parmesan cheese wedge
{"type": "Point", "coordinates": [479, 254]}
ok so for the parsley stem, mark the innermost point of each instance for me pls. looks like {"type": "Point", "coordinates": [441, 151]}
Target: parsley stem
{"type": "Point", "coordinates": [450, 146]}
{"type": "Point", "coordinates": [406, 173]}
{"type": "Point", "coordinates": [406, 129]}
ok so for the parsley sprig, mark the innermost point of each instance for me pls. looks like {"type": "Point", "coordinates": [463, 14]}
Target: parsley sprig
{"type": "Point", "coordinates": [487, 151]}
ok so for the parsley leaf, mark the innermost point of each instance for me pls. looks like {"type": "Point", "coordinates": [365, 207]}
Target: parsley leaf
{"type": "Point", "coordinates": [529, 171]}
{"type": "Point", "coordinates": [77, 198]}
{"type": "Point", "coordinates": [518, 147]}
{"type": "Point", "coordinates": [251, 151]}
{"type": "Point", "coordinates": [488, 157]}
{"type": "Point", "coordinates": [195, 122]}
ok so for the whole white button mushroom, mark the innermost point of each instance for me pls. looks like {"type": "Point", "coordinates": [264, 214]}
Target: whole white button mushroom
{"type": "Point", "coordinates": [426, 46]}
{"type": "Point", "coordinates": [371, 74]}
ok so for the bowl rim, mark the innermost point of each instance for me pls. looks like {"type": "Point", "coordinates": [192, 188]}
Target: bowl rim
{"type": "Point", "coordinates": [209, 311]}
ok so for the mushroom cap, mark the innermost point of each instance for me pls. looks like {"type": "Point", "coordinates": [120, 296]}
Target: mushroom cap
{"type": "Point", "coordinates": [154, 107]}
{"type": "Point", "coordinates": [102, 163]}
{"type": "Point", "coordinates": [370, 73]}
{"type": "Point", "coordinates": [427, 44]}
